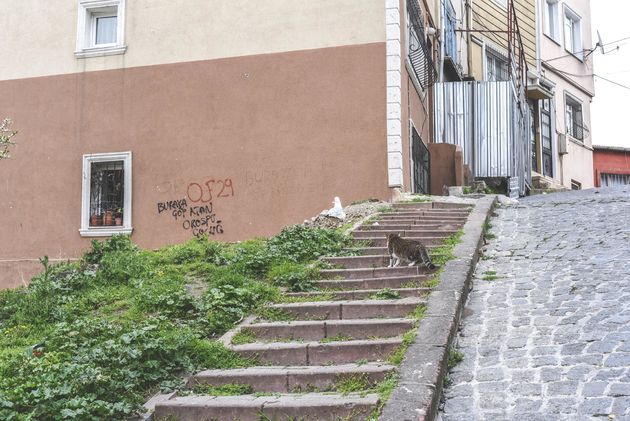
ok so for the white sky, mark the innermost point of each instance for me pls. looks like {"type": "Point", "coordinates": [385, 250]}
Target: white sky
{"type": "Point", "coordinates": [611, 105]}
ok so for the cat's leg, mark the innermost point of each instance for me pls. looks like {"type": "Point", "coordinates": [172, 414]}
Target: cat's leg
{"type": "Point", "coordinates": [397, 261]}
{"type": "Point", "coordinates": [391, 261]}
{"type": "Point", "coordinates": [413, 262]}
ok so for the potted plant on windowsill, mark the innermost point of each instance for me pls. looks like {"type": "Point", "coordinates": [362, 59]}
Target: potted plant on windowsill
{"type": "Point", "coordinates": [108, 217]}
{"type": "Point", "coordinates": [118, 217]}
{"type": "Point", "coordinates": [96, 220]}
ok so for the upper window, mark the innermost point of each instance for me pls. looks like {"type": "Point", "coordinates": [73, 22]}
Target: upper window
{"type": "Point", "coordinates": [573, 33]}
{"type": "Point", "coordinates": [106, 206]}
{"type": "Point", "coordinates": [574, 118]}
{"type": "Point", "coordinates": [100, 29]}
{"type": "Point", "coordinates": [502, 2]}
{"type": "Point", "coordinates": [552, 27]}
{"type": "Point", "coordinates": [496, 66]}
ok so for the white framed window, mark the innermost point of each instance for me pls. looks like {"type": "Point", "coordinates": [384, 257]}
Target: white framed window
{"type": "Point", "coordinates": [574, 119]}
{"type": "Point", "coordinates": [502, 3]}
{"type": "Point", "coordinates": [573, 33]}
{"type": "Point", "coordinates": [106, 194]}
{"type": "Point", "coordinates": [552, 23]}
{"type": "Point", "coordinates": [100, 28]}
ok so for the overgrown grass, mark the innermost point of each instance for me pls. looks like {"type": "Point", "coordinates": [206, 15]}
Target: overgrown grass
{"type": "Point", "coordinates": [124, 323]}
{"type": "Point", "coordinates": [490, 275]}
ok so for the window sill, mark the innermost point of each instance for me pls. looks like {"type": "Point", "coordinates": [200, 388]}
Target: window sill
{"type": "Point", "coordinates": [579, 142]}
{"type": "Point", "coordinates": [101, 51]}
{"type": "Point", "coordinates": [555, 41]}
{"type": "Point", "coordinates": [105, 232]}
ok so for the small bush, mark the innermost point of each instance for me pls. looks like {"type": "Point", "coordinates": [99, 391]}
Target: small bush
{"type": "Point", "coordinates": [99, 249]}
{"type": "Point", "coordinates": [294, 276]}
{"type": "Point", "coordinates": [302, 244]}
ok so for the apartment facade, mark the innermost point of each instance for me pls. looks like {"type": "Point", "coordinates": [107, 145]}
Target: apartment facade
{"type": "Point", "coordinates": [563, 148]}
{"type": "Point", "coordinates": [168, 119]}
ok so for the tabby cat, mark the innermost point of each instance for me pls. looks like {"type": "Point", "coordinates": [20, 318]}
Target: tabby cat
{"type": "Point", "coordinates": [412, 250]}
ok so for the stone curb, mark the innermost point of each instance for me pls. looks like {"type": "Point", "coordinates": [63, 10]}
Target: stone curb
{"type": "Point", "coordinates": [417, 396]}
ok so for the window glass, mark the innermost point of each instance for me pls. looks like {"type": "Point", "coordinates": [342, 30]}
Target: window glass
{"type": "Point", "coordinates": [106, 27]}
{"type": "Point", "coordinates": [107, 188]}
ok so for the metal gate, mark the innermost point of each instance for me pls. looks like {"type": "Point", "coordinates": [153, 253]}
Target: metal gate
{"type": "Point", "coordinates": [420, 157]}
{"type": "Point", "coordinates": [489, 121]}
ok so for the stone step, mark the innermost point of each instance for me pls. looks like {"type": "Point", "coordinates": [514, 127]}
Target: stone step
{"type": "Point", "coordinates": [427, 215]}
{"type": "Point", "coordinates": [318, 330]}
{"type": "Point", "coordinates": [382, 272]}
{"type": "Point", "coordinates": [432, 206]}
{"type": "Point", "coordinates": [442, 233]}
{"type": "Point", "coordinates": [381, 240]}
{"type": "Point", "coordinates": [291, 379]}
{"type": "Point", "coordinates": [362, 294]}
{"type": "Point", "coordinates": [376, 251]}
{"type": "Point", "coordinates": [356, 309]}
{"type": "Point", "coordinates": [311, 406]}
{"type": "Point", "coordinates": [419, 222]}
{"type": "Point", "coordinates": [403, 227]}
{"type": "Point", "coordinates": [362, 262]}
{"type": "Point", "coordinates": [372, 283]}
{"type": "Point", "coordinates": [318, 353]}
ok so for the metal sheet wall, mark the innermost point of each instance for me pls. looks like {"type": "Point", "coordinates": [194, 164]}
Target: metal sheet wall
{"type": "Point", "coordinates": [489, 123]}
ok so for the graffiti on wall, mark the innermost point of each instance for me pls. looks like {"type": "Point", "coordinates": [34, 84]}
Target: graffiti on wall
{"type": "Point", "coordinates": [195, 212]}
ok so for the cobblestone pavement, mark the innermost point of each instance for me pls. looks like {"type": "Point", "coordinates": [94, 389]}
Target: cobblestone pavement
{"type": "Point", "coordinates": [546, 332]}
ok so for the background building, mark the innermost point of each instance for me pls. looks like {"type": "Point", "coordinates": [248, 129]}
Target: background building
{"type": "Point", "coordinates": [563, 149]}
{"type": "Point", "coordinates": [611, 166]}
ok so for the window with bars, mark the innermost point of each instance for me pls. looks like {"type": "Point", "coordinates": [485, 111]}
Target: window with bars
{"type": "Point", "coordinates": [496, 66]}
{"type": "Point", "coordinates": [574, 119]}
{"type": "Point", "coordinates": [106, 207]}
{"type": "Point", "coordinates": [418, 50]}
{"type": "Point", "coordinates": [107, 188]}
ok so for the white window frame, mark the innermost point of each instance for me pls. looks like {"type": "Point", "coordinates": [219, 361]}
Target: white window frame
{"type": "Point", "coordinates": [550, 12]}
{"type": "Point", "coordinates": [502, 3]}
{"type": "Point", "coordinates": [576, 107]}
{"type": "Point", "coordinates": [574, 35]}
{"type": "Point", "coordinates": [126, 228]}
{"type": "Point", "coordinates": [89, 10]}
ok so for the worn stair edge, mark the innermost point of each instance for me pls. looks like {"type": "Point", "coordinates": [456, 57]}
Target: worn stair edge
{"type": "Point", "coordinates": [325, 329]}
{"type": "Point", "coordinates": [291, 379]}
{"type": "Point", "coordinates": [372, 283]}
{"type": "Point", "coordinates": [375, 272]}
{"type": "Point", "coordinates": [424, 366]}
{"type": "Point", "coordinates": [310, 406]}
{"type": "Point", "coordinates": [361, 294]}
{"type": "Point", "coordinates": [352, 309]}
{"type": "Point", "coordinates": [318, 353]}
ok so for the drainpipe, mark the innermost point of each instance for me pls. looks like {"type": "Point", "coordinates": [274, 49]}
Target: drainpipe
{"type": "Point", "coordinates": [442, 21]}
{"type": "Point", "coordinates": [468, 35]}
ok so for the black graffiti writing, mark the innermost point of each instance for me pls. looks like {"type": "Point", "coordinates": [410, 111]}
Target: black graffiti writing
{"type": "Point", "coordinates": [199, 220]}
{"type": "Point", "coordinates": [175, 205]}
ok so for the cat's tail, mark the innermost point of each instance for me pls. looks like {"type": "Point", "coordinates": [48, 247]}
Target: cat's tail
{"type": "Point", "coordinates": [426, 260]}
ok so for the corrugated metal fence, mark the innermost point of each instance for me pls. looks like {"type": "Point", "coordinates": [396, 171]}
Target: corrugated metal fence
{"type": "Point", "coordinates": [489, 123]}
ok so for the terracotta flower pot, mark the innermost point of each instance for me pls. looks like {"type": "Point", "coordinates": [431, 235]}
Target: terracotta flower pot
{"type": "Point", "coordinates": [118, 220]}
{"type": "Point", "coordinates": [96, 220]}
{"type": "Point", "coordinates": [108, 218]}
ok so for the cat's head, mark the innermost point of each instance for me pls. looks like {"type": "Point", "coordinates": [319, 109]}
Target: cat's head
{"type": "Point", "coordinates": [392, 236]}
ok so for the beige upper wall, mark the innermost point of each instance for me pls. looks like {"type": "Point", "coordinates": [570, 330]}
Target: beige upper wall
{"type": "Point", "coordinates": [39, 37]}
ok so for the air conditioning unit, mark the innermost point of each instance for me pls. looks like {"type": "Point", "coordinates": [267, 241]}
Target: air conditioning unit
{"type": "Point", "coordinates": [562, 144]}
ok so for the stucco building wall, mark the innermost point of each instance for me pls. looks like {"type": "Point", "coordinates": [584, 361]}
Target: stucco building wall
{"type": "Point", "coordinates": [284, 101]}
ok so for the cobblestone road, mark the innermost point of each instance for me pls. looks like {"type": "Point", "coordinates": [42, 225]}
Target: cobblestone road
{"type": "Point", "coordinates": [546, 332]}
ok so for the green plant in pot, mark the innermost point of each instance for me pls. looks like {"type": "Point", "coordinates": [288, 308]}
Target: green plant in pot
{"type": "Point", "coordinates": [118, 216]}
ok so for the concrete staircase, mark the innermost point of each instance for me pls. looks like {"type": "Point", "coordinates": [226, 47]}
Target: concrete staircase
{"type": "Point", "coordinates": [303, 362]}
